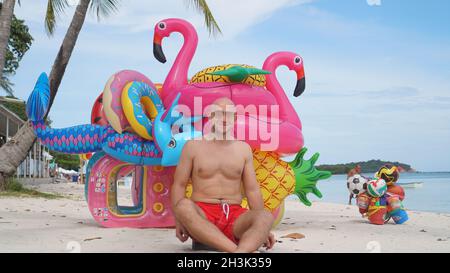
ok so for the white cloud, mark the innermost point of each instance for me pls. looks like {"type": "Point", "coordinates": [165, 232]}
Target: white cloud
{"type": "Point", "coordinates": [234, 17]}
{"type": "Point", "coordinates": [374, 2]}
{"type": "Point", "coordinates": [238, 16]}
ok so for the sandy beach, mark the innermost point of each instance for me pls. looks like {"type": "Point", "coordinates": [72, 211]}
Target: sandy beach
{"type": "Point", "coordinates": [65, 225]}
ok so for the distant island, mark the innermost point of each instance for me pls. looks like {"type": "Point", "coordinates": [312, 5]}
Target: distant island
{"type": "Point", "coordinates": [370, 166]}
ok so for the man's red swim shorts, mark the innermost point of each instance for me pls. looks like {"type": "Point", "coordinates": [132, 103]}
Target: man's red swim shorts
{"type": "Point", "coordinates": [223, 216]}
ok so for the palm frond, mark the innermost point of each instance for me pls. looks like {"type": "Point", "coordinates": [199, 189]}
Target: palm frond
{"type": "Point", "coordinates": [211, 23]}
{"type": "Point", "coordinates": [54, 9]}
{"type": "Point", "coordinates": [104, 8]}
{"type": "Point", "coordinates": [6, 85]}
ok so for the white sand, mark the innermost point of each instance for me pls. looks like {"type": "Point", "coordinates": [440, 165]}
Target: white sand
{"type": "Point", "coordinates": [40, 225]}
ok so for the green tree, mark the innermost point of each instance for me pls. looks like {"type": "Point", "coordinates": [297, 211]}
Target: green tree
{"type": "Point", "coordinates": [66, 161]}
{"type": "Point", "coordinates": [210, 21]}
{"type": "Point", "coordinates": [370, 166]}
{"type": "Point", "coordinates": [19, 43]}
{"type": "Point", "coordinates": [15, 150]}
{"type": "Point", "coordinates": [6, 17]}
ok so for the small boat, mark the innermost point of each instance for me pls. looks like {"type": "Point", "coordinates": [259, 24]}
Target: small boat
{"type": "Point", "coordinates": [411, 185]}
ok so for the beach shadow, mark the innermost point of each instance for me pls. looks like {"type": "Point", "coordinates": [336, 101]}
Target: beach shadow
{"type": "Point", "coordinates": [90, 223]}
{"type": "Point", "coordinates": [360, 221]}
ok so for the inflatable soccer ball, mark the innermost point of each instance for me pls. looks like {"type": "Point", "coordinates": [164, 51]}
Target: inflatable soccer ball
{"type": "Point", "coordinates": [356, 184]}
{"type": "Point", "coordinates": [376, 187]}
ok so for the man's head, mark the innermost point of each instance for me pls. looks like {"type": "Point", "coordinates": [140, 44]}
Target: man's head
{"type": "Point", "coordinates": [223, 115]}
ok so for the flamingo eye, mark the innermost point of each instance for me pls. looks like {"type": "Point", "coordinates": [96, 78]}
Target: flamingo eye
{"type": "Point", "coordinates": [172, 143]}
{"type": "Point", "coordinates": [297, 60]}
{"type": "Point", "coordinates": [162, 26]}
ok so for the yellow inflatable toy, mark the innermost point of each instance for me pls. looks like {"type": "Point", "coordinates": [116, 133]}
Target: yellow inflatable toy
{"type": "Point", "coordinates": [222, 73]}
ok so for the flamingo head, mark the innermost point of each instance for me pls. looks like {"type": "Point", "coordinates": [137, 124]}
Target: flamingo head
{"type": "Point", "coordinates": [294, 62]}
{"type": "Point", "coordinates": [164, 28]}
{"type": "Point", "coordinates": [297, 66]}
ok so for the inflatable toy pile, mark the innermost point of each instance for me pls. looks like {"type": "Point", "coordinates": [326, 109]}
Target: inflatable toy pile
{"type": "Point", "coordinates": [380, 199]}
{"type": "Point", "coordinates": [131, 132]}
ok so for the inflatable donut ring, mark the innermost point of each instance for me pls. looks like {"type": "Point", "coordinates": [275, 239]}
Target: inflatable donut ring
{"type": "Point", "coordinates": [112, 94]}
{"type": "Point", "coordinates": [138, 101]}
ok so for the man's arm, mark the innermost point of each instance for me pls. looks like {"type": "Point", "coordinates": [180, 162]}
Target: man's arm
{"type": "Point", "coordinates": [251, 186]}
{"type": "Point", "coordinates": [182, 174]}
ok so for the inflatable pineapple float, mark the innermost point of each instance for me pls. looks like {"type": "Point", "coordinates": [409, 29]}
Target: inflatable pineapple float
{"type": "Point", "coordinates": [279, 179]}
{"type": "Point", "coordinates": [232, 73]}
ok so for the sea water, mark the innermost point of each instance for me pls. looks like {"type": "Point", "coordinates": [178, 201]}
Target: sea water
{"type": "Point", "coordinates": [433, 196]}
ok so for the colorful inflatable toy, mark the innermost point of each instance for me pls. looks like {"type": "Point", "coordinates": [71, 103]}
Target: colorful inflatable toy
{"type": "Point", "coordinates": [150, 188]}
{"type": "Point", "coordinates": [131, 132]}
{"type": "Point", "coordinates": [112, 94]}
{"type": "Point", "coordinates": [127, 147]}
{"type": "Point", "coordinates": [119, 154]}
{"type": "Point", "coordinates": [388, 173]}
{"type": "Point", "coordinates": [243, 84]}
{"type": "Point", "coordinates": [97, 114]}
{"type": "Point", "coordinates": [357, 184]}
{"type": "Point", "coordinates": [383, 200]}
{"type": "Point", "coordinates": [376, 187]}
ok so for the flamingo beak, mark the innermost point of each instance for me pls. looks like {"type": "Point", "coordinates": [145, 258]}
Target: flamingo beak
{"type": "Point", "coordinates": [157, 49]}
{"type": "Point", "coordinates": [301, 83]}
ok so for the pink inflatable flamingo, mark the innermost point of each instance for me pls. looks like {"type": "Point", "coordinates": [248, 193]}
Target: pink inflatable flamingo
{"type": "Point", "coordinates": [287, 123]}
{"type": "Point", "coordinates": [178, 74]}
{"type": "Point", "coordinates": [294, 63]}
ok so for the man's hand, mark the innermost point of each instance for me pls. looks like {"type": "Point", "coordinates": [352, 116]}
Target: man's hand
{"type": "Point", "coordinates": [181, 232]}
{"type": "Point", "coordinates": [270, 241]}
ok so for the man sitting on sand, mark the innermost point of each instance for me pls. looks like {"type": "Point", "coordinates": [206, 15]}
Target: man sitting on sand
{"type": "Point", "coordinates": [219, 167]}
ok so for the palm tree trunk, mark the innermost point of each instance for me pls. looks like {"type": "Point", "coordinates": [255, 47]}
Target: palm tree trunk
{"type": "Point", "coordinates": [61, 61]}
{"type": "Point", "coordinates": [6, 16]}
{"type": "Point", "coordinates": [16, 150]}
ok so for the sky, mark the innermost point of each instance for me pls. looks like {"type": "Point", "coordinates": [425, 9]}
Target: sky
{"type": "Point", "coordinates": [378, 71]}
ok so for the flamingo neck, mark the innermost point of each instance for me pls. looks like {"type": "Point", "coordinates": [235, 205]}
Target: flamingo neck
{"type": "Point", "coordinates": [287, 111]}
{"type": "Point", "coordinates": [178, 74]}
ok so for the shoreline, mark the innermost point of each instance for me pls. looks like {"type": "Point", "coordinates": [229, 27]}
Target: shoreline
{"type": "Point", "coordinates": [65, 225]}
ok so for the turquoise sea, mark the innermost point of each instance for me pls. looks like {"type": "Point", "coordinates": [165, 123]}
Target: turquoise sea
{"type": "Point", "coordinates": [433, 196]}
